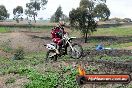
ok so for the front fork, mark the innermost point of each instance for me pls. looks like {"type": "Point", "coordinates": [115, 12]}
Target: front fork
{"type": "Point", "coordinates": [70, 46]}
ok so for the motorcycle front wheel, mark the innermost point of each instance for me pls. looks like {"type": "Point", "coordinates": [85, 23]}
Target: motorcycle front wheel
{"type": "Point", "coordinates": [76, 51]}
{"type": "Point", "coordinates": [50, 56]}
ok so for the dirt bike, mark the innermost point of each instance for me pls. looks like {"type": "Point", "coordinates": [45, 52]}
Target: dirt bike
{"type": "Point", "coordinates": [73, 50]}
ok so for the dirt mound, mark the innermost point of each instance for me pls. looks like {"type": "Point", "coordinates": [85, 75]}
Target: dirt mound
{"type": "Point", "coordinates": [25, 40]}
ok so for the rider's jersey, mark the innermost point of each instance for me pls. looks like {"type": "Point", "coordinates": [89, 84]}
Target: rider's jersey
{"type": "Point", "coordinates": [57, 32]}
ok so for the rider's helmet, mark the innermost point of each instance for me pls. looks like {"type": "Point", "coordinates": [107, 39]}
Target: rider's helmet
{"type": "Point", "coordinates": [60, 28]}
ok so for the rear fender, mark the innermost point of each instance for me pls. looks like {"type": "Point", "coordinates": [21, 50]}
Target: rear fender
{"type": "Point", "coordinates": [50, 47]}
{"type": "Point", "coordinates": [70, 40]}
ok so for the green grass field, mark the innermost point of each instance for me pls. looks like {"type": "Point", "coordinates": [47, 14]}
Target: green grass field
{"type": "Point", "coordinates": [117, 31]}
{"type": "Point", "coordinates": [4, 29]}
{"type": "Point", "coordinates": [121, 46]}
{"type": "Point", "coordinates": [8, 29]}
{"type": "Point", "coordinates": [114, 31]}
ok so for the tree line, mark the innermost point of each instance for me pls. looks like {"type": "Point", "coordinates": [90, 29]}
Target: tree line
{"type": "Point", "coordinates": [34, 6]}
{"type": "Point", "coordinates": [82, 18]}
{"type": "Point", "coordinates": [31, 10]}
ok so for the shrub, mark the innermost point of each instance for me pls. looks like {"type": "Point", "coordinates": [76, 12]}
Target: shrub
{"type": "Point", "coordinates": [65, 78]}
{"type": "Point", "coordinates": [19, 54]}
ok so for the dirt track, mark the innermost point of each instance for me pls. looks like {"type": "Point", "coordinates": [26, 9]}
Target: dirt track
{"type": "Point", "coordinates": [25, 40]}
{"type": "Point", "coordinates": [113, 52]}
{"type": "Point", "coordinates": [34, 41]}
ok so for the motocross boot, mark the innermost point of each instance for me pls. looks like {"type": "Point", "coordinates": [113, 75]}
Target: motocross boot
{"type": "Point", "coordinates": [57, 50]}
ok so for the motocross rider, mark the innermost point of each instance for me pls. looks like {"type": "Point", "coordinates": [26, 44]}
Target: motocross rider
{"type": "Point", "coordinates": [56, 34]}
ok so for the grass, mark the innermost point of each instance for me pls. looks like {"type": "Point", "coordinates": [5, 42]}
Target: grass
{"type": "Point", "coordinates": [4, 29]}
{"type": "Point", "coordinates": [51, 79]}
{"type": "Point", "coordinates": [8, 65]}
{"type": "Point", "coordinates": [93, 45]}
{"type": "Point", "coordinates": [35, 55]}
{"type": "Point", "coordinates": [27, 67]}
{"type": "Point", "coordinates": [114, 31]}
{"type": "Point", "coordinates": [62, 76]}
{"type": "Point", "coordinates": [122, 45]}
{"type": "Point", "coordinates": [5, 46]}
{"type": "Point", "coordinates": [23, 25]}
{"type": "Point", "coordinates": [10, 80]}
{"type": "Point", "coordinates": [123, 32]}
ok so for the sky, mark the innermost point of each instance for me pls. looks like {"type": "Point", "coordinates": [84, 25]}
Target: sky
{"type": "Point", "coordinates": [118, 8]}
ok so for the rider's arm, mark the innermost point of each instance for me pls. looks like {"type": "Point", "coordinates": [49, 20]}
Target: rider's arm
{"type": "Point", "coordinates": [52, 34]}
{"type": "Point", "coordinates": [64, 32]}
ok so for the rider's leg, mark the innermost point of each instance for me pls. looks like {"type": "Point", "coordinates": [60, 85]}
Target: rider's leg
{"type": "Point", "coordinates": [59, 45]}
{"type": "Point", "coordinates": [57, 49]}
{"type": "Point", "coordinates": [55, 40]}
{"type": "Point", "coordinates": [58, 42]}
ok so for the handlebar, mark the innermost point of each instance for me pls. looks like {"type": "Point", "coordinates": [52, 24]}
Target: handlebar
{"type": "Point", "coordinates": [67, 37]}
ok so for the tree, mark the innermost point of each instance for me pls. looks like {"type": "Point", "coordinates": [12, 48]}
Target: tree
{"type": "Point", "coordinates": [87, 4]}
{"type": "Point", "coordinates": [102, 12]}
{"type": "Point", "coordinates": [33, 7]}
{"type": "Point", "coordinates": [99, 1]}
{"type": "Point", "coordinates": [82, 18]}
{"type": "Point", "coordinates": [62, 18]}
{"type": "Point", "coordinates": [115, 20]}
{"type": "Point", "coordinates": [18, 11]}
{"type": "Point", "coordinates": [41, 18]}
{"type": "Point", "coordinates": [127, 20]}
{"type": "Point", "coordinates": [58, 14]}
{"type": "Point", "coordinates": [3, 13]}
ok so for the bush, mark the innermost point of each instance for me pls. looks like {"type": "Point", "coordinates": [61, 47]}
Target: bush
{"type": "Point", "coordinates": [19, 54]}
{"type": "Point", "coordinates": [65, 78]}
